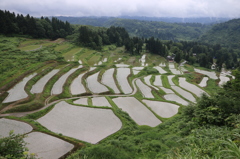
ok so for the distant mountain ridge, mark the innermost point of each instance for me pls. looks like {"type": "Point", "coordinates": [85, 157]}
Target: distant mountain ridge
{"type": "Point", "coordinates": [227, 34]}
{"type": "Point", "coordinates": [145, 28]}
{"type": "Point", "coordinates": [201, 20]}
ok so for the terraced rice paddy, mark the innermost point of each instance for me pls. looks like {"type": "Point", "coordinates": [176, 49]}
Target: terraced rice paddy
{"type": "Point", "coordinates": [121, 65]}
{"type": "Point", "coordinates": [170, 80]}
{"type": "Point", "coordinates": [7, 125]}
{"type": "Point", "coordinates": [93, 84]}
{"type": "Point", "coordinates": [166, 90]}
{"type": "Point", "coordinates": [158, 81]}
{"type": "Point", "coordinates": [76, 86]}
{"type": "Point", "coordinates": [104, 60]}
{"type": "Point", "coordinates": [163, 109]}
{"type": "Point", "coordinates": [80, 62]}
{"type": "Point", "coordinates": [62, 47]}
{"type": "Point", "coordinates": [208, 73]}
{"type": "Point", "coordinates": [183, 69]}
{"type": "Point", "coordinates": [184, 93]}
{"type": "Point", "coordinates": [175, 98]}
{"type": "Point", "coordinates": [46, 146]}
{"type": "Point", "coordinates": [160, 70]}
{"type": "Point", "coordinates": [122, 78]}
{"type": "Point", "coordinates": [136, 70]}
{"type": "Point", "coordinates": [99, 63]}
{"type": "Point", "coordinates": [82, 101]}
{"type": "Point", "coordinates": [109, 81]}
{"type": "Point", "coordinates": [87, 124]}
{"type": "Point", "coordinates": [70, 55]}
{"type": "Point", "coordinates": [94, 59]}
{"type": "Point", "coordinates": [190, 87]}
{"type": "Point", "coordinates": [147, 81]}
{"type": "Point", "coordinates": [173, 69]}
{"type": "Point", "coordinates": [38, 87]}
{"type": "Point", "coordinates": [30, 47]}
{"type": "Point", "coordinates": [92, 118]}
{"type": "Point", "coordinates": [58, 86]}
{"type": "Point", "coordinates": [203, 83]}
{"type": "Point", "coordinates": [143, 60]}
{"type": "Point", "coordinates": [162, 65]}
{"type": "Point", "coordinates": [146, 91]}
{"type": "Point", "coordinates": [18, 92]}
{"type": "Point", "coordinates": [100, 101]}
{"type": "Point", "coordinates": [137, 111]}
{"type": "Point", "coordinates": [223, 80]}
{"type": "Point", "coordinates": [91, 69]}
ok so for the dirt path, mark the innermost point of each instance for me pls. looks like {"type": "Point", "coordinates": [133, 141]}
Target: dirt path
{"type": "Point", "coordinates": [47, 104]}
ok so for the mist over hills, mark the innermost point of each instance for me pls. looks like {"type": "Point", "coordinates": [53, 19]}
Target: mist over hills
{"type": "Point", "coordinates": [149, 27]}
{"type": "Point", "coordinates": [224, 31]}
{"type": "Point", "coordinates": [99, 21]}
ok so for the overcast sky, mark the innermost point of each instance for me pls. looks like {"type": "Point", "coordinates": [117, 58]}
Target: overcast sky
{"type": "Point", "coordinates": [150, 8]}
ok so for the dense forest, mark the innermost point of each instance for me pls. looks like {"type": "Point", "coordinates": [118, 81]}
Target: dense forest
{"type": "Point", "coordinates": [97, 38]}
{"type": "Point", "coordinates": [227, 34]}
{"type": "Point", "coordinates": [37, 28]}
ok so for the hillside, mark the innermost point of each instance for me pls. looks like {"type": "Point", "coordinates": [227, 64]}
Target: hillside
{"type": "Point", "coordinates": [134, 106]}
{"type": "Point", "coordinates": [100, 93]}
{"type": "Point", "coordinates": [227, 34]}
{"type": "Point", "coordinates": [146, 29]}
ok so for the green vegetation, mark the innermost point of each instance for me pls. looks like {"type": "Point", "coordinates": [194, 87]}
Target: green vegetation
{"type": "Point", "coordinates": [31, 47]}
{"type": "Point", "coordinates": [37, 28]}
{"type": "Point", "coordinates": [147, 29]}
{"type": "Point", "coordinates": [226, 34]}
{"type": "Point", "coordinates": [14, 147]}
{"type": "Point", "coordinates": [149, 70]}
{"type": "Point", "coordinates": [206, 129]}
{"type": "Point", "coordinates": [12, 58]}
{"type": "Point", "coordinates": [203, 55]}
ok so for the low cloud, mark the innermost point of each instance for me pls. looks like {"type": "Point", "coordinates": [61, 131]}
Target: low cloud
{"type": "Point", "coordinates": [151, 8]}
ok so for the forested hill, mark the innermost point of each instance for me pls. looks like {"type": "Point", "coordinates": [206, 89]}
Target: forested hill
{"type": "Point", "coordinates": [227, 34]}
{"type": "Point", "coordinates": [146, 29]}
{"type": "Point", "coordinates": [38, 28]}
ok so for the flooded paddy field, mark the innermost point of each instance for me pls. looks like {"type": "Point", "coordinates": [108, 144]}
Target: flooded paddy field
{"type": "Point", "coordinates": [87, 124]}
{"type": "Point", "coordinates": [137, 111]}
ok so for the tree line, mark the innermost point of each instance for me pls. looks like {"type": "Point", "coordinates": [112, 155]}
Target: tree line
{"type": "Point", "coordinates": [95, 38]}
{"type": "Point", "coordinates": [203, 54]}
{"type": "Point", "coordinates": [37, 28]}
